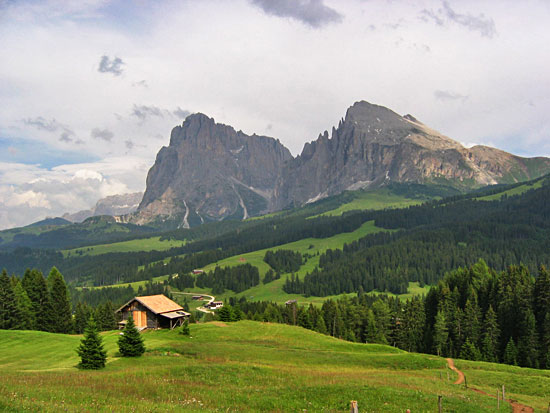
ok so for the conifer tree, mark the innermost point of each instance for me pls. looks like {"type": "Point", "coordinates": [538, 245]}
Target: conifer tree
{"type": "Point", "coordinates": [471, 321]}
{"type": "Point", "coordinates": [545, 343]}
{"type": "Point", "coordinates": [185, 330]}
{"type": "Point", "coordinates": [320, 325]}
{"type": "Point", "coordinates": [225, 313]}
{"type": "Point", "coordinates": [81, 317]}
{"type": "Point", "coordinates": [236, 313]}
{"type": "Point", "coordinates": [62, 321]}
{"type": "Point", "coordinates": [304, 320]}
{"type": "Point", "coordinates": [370, 328]}
{"type": "Point", "coordinates": [24, 307]}
{"type": "Point", "coordinates": [382, 315]}
{"type": "Point", "coordinates": [105, 315]}
{"type": "Point", "coordinates": [441, 333]}
{"type": "Point", "coordinates": [35, 286]}
{"type": "Point", "coordinates": [491, 336]}
{"type": "Point", "coordinates": [130, 343]}
{"type": "Point", "coordinates": [469, 351]}
{"type": "Point", "coordinates": [511, 353]}
{"type": "Point", "coordinates": [528, 343]}
{"type": "Point", "coordinates": [8, 309]}
{"type": "Point", "coordinates": [92, 354]}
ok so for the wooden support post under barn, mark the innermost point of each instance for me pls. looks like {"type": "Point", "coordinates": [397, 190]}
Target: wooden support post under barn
{"type": "Point", "coordinates": [153, 311]}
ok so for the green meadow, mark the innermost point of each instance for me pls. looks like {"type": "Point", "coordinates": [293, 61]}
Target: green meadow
{"type": "Point", "coordinates": [136, 245]}
{"type": "Point", "coordinates": [245, 366]}
{"type": "Point", "coordinates": [273, 291]}
{"type": "Point", "coordinates": [518, 190]}
{"type": "Point", "coordinates": [374, 200]}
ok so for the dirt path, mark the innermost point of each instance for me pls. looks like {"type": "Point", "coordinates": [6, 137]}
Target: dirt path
{"type": "Point", "coordinates": [451, 365]}
{"type": "Point", "coordinates": [202, 309]}
{"type": "Point", "coordinates": [517, 407]}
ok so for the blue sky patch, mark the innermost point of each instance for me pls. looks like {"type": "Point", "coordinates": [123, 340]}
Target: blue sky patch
{"type": "Point", "coordinates": [32, 152]}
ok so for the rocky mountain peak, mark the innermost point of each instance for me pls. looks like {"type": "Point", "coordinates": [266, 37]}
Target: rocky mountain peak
{"type": "Point", "coordinates": [209, 171]}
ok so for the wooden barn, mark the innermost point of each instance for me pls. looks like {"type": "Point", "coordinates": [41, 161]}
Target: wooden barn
{"type": "Point", "coordinates": [153, 311]}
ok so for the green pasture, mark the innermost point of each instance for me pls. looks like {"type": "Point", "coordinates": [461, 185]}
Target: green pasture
{"type": "Point", "coordinates": [135, 245]}
{"type": "Point", "coordinates": [527, 386]}
{"type": "Point", "coordinates": [374, 200]}
{"type": "Point", "coordinates": [237, 367]}
{"type": "Point", "coordinates": [518, 190]}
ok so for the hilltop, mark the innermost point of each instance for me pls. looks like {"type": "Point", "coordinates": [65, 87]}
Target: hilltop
{"type": "Point", "coordinates": [248, 366]}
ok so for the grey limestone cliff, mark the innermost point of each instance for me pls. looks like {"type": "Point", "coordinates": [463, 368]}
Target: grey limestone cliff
{"type": "Point", "coordinates": [209, 171]}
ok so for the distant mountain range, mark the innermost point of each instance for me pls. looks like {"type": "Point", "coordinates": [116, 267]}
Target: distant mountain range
{"type": "Point", "coordinates": [112, 205]}
{"type": "Point", "coordinates": [211, 172]}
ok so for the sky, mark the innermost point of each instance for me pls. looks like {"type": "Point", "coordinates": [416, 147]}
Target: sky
{"type": "Point", "coordinates": [90, 89]}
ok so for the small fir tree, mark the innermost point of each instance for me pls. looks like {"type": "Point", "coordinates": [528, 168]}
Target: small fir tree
{"type": "Point", "coordinates": [92, 354]}
{"type": "Point", "coordinates": [320, 325]}
{"type": "Point", "coordinates": [511, 353]}
{"type": "Point", "coordinates": [185, 328]}
{"type": "Point", "coordinates": [469, 351]}
{"type": "Point", "coordinates": [130, 343]}
{"type": "Point", "coordinates": [225, 313]}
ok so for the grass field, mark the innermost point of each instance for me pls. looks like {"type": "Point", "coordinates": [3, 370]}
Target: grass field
{"type": "Point", "coordinates": [312, 246]}
{"type": "Point", "coordinates": [136, 245]}
{"type": "Point", "coordinates": [245, 366]}
{"type": "Point", "coordinates": [135, 285]}
{"type": "Point", "coordinates": [273, 291]}
{"type": "Point", "coordinates": [527, 386]}
{"type": "Point", "coordinates": [375, 200]}
{"type": "Point", "coordinates": [511, 192]}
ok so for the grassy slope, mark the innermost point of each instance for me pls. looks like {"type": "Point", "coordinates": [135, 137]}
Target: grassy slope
{"type": "Point", "coordinates": [136, 245]}
{"type": "Point", "coordinates": [527, 386]}
{"type": "Point", "coordinates": [313, 246]}
{"type": "Point", "coordinates": [511, 192]}
{"type": "Point", "coordinates": [244, 366]}
{"type": "Point", "coordinates": [273, 291]}
{"type": "Point", "coordinates": [375, 200]}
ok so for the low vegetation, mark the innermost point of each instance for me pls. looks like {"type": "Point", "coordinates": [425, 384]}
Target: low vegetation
{"type": "Point", "coordinates": [243, 366]}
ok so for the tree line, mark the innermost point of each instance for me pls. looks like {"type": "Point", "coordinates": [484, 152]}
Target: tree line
{"type": "Point", "coordinates": [474, 313]}
{"type": "Point", "coordinates": [35, 302]}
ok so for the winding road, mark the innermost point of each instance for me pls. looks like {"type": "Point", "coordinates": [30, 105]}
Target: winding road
{"type": "Point", "coordinates": [517, 407]}
{"type": "Point", "coordinates": [202, 309]}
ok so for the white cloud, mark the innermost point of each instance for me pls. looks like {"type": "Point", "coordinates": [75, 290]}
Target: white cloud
{"type": "Point", "coordinates": [248, 69]}
{"type": "Point", "coordinates": [29, 193]}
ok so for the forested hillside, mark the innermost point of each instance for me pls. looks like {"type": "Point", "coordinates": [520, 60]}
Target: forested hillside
{"type": "Point", "coordinates": [433, 239]}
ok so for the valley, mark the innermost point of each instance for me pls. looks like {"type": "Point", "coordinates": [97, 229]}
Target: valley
{"type": "Point", "coordinates": [359, 294]}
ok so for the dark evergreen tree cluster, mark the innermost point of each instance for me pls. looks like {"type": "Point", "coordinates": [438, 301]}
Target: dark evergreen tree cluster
{"type": "Point", "coordinates": [35, 302]}
{"type": "Point", "coordinates": [479, 314]}
{"type": "Point", "coordinates": [270, 275]}
{"type": "Point", "coordinates": [473, 313]}
{"type": "Point", "coordinates": [283, 261]}
{"type": "Point", "coordinates": [236, 279]}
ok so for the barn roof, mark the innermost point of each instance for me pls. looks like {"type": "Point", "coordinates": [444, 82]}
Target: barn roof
{"type": "Point", "coordinates": [158, 304]}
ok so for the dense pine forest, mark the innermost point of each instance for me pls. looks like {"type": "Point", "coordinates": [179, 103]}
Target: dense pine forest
{"type": "Point", "coordinates": [473, 313]}
{"type": "Point", "coordinates": [435, 238]}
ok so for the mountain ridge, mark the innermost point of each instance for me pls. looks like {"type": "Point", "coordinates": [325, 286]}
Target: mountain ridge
{"type": "Point", "coordinates": [209, 171]}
